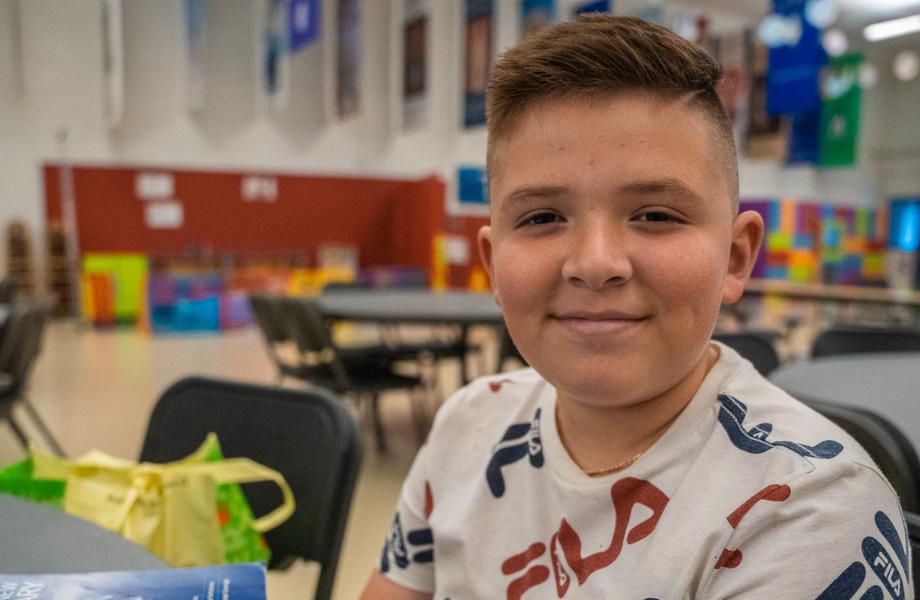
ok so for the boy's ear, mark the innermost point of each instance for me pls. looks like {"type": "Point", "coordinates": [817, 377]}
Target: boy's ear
{"type": "Point", "coordinates": [747, 234]}
{"type": "Point", "coordinates": [484, 239]}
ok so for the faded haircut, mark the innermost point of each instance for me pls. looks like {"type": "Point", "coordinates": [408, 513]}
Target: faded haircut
{"type": "Point", "coordinates": [598, 56]}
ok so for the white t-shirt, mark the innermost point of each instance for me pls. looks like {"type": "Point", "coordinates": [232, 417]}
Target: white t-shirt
{"type": "Point", "coordinates": [749, 494]}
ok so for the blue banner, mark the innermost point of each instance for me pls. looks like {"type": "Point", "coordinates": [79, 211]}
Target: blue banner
{"type": "Point", "coordinates": [793, 78]}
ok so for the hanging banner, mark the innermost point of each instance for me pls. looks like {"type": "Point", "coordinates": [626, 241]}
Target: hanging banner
{"type": "Point", "coordinates": [195, 52]}
{"type": "Point", "coordinates": [275, 59]}
{"type": "Point", "coordinates": [793, 76]}
{"type": "Point", "coordinates": [415, 64]}
{"type": "Point", "coordinates": [113, 62]}
{"type": "Point", "coordinates": [804, 138]}
{"type": "Point", "coordinates": [536, 15]}
{"type": "Point", "coordinates": [592, 6]}
{"type": "Point", "coordinates": [766, 133]}
{"type": "Point", "coordinates": [304, 23]}
{"type": "Point", "coordinates": [478, 60]}
{"type": "Point", "coordinates": [840, 111]}
{"type": "Point", "coordinates": [348, 58]}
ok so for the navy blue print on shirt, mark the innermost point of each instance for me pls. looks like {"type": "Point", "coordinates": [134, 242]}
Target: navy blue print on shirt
{"type": "Point", "coordinates": [395, 546]}
{"type": "Point", "coordinates": [520, 440]}
{"type": "Point", "coordinates": [845, 586]}
{"type": "Point", "coordinates": [754, 440]}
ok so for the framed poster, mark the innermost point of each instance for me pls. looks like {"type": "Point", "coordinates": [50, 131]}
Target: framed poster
{"type": "Point", "coordinates": [348, 58]}
{"type": "Point", "coordinates": [478, 60]}
{"type": "Point", "coordinates": [415, 65]}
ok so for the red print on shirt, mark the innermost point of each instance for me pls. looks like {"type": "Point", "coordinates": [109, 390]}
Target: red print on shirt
{"type": "Point", "coordinates": [495, 386]}
{"type": "Point", "coordinates": [773, 493]}
{"type": "Point", "coordinates": [429, 500]}
{"type": "Point", "coordinates": [565, 551]}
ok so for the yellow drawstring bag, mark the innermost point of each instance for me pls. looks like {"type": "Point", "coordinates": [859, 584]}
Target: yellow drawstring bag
{"type": "Point", "coordinates": [169, 508]}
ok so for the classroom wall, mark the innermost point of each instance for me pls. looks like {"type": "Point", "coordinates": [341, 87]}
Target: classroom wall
{"type": "Point", "coordinates": [51, 82]}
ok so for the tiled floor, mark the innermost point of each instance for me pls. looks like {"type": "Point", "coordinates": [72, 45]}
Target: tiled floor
{"type": "Point", "coordinates": [95, 389]}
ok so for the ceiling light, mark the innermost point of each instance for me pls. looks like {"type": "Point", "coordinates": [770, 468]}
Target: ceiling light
{"type": "Point", "coordinates": [835, 42]}
{"type": "Point", "coordinates": [868, 75]}
{"type": "Point", "coordinates": [893, 28]}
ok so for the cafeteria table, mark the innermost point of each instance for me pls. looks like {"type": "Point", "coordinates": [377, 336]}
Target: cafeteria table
{"type": "Point", "coordinates": [885, 383]}
{"type": "Point", "coordinates": [37, 539]}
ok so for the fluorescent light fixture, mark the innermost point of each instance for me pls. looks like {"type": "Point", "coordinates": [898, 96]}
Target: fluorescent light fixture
{"type": "Point", "coordinates": [893, 28]}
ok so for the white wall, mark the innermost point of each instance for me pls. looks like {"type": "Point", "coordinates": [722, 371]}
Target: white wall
{"type": "Point", "coordinates": [51, 80]}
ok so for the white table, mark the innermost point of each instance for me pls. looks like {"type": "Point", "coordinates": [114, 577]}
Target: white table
{"type": "Point", "coordinates": [36, 539]}
{"type": "Point", "coordinates": [411, 306]}
{"type": "Point", "coordinates": [885, 383]}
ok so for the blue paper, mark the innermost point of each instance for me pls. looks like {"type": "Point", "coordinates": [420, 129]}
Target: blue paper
{"type": "Point", "coordinates": [473, 186]}
{"type": "Point", "coordinates": [596, 6]}
{"type": "Point", "coordinates": [303, 20]}
{"type": "Point", "coordinates": [240, 582]}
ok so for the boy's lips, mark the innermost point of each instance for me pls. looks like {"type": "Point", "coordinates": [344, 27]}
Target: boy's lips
{"type": "Point", "coordinates": [601, 323]}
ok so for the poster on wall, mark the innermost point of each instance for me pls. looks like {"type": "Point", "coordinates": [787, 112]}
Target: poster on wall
{"type": "Point", "coordinates": [113, 62]}
{"type": "Point", "coordinates": [536, 15]}
{"type": "Point", "coordinates": [766, 133]}
{"type": "Point", "coordinates": [348, 58]}
{"type": "Point", "coordinates": [304, 23]}
{"type": "Point", "coordinates": [592, 6]}
{"type": "Point", "coordinates": [477, 60]}
{"type": "Point", "coordinates": [415, 59]}
{"type": "Point", "coordinates": [840, 111]}
{"type": "Point", "coordinates": [275, 55]}
{"type": "Point", "coordinates": [195, 52]}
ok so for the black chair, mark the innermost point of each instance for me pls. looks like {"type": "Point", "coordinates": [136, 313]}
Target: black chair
{"type": "Point", "coordinates": [886, 444]}
{"type": "Point", "coordinates": [8, 289]}
{"type": "Point", "coordinates": [278, 341]}
{"type": "Point", "coordinates": [308, 436]}
{"type": "Point", "coordinates": [19, 349]}
{"type": "Point", "coordinates": [850, 339]}
{"type": "Point", "coordinates": [361, 372]}
{"type": "Point", "coordinates": [913, 533]}
{"type": "Point", "coordinates": [756, 346]}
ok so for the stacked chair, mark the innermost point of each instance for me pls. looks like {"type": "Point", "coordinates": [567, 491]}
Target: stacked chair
{"type": "Point", "coordinates": [851, 339]}
{"type": "Point", "coordinates": [307, 435]}
{"type": "Point", "coordinates": [19, 348]}
{"type": "Point", "coordinates": [361, 372]}
{"type": "Point", "coordinates": [756, 346]}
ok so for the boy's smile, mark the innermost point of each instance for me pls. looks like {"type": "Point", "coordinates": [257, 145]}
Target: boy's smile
{"type": "Point", "coordinates": [611, 244]}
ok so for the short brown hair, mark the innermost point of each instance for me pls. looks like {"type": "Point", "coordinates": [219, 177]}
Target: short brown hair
{"type": "Point", "coordinates": [597, 55]}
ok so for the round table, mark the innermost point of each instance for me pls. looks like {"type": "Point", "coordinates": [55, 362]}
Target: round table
{"type": "Point", "coordinates": [885, 383]}
{"type": "Point", "coordinates": [36, 539]}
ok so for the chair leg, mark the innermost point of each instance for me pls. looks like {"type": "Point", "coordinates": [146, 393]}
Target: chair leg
{"type": "Point", "coordinates": [40, 424]}
{"type": "Point", "coordinates": [20, 436]}
{"type": "Point", "coordinates": [377, 423]}
{"type": "Point", "coordinates": [419, 417]}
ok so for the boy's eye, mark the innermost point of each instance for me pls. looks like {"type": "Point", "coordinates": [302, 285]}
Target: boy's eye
{"type": "Point", "coordinates": [657, 216]}
{"type": "Point", "coordinates": [540, 219]}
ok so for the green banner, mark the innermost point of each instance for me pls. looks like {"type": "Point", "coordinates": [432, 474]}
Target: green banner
{"type": "Point", "coordinates": [840, 111]}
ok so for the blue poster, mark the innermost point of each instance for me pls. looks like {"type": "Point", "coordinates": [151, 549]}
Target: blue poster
{"type": "Point", "coordinates": [793, 78]}
{"type": "Point", "coordinates": [304, 21]}
{"type": "Point", "coordinates": [594, 6]}
{"type": "Point", "coordinates": [472, 185]}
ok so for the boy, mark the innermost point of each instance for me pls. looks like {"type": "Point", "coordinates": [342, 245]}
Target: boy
{"type": "Point", "coordinates": [636, 459]}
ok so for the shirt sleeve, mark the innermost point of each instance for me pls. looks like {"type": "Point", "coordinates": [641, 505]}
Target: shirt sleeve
{"type": "Point", "coordinates": [408, 552]}
{"type": "Point", "coordinates": [835, 532]}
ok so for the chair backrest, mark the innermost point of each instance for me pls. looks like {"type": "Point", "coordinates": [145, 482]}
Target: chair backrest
{"type": "Point", "coordinates": [8, 288]}
{"type": "Point", "coordinates": [22, 340]}
{"type": "Point", "coordinates": [308, 436]}
{"type": "Point", "coordinates": [266, 311]}
{"type": "Point", "coordinates": [913, 534]}
{"type": "Point", "coordinates": [847, 339]}
{"type": "Point", "coordinates": [756, 346]}
{"type": "Point", "coordinates": [886, 444]}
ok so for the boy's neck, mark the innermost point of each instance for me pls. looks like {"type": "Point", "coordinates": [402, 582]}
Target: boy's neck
{"type": "Point", "coordinates": [599, 438]}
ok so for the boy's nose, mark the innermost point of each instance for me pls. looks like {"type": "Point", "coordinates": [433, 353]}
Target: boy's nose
{"type": "Point", "coordinates": [597, 257]}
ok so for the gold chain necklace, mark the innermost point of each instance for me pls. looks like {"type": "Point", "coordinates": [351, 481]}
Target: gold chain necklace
{"type": "Point", "coordinates": [597, 472]}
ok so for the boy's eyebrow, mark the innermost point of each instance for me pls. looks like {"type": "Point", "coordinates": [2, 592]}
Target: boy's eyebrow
{"type": "Point", "coordinates": [663, 186]}
{"type": "Point", "coordinates": [536, 191]}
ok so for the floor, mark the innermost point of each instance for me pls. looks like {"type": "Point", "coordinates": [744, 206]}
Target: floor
{"type": "Point", "coordinates": [95, 389]}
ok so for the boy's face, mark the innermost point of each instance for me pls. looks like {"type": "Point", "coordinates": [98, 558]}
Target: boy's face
{"type": "Point", "coordinates": [613, 243]}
